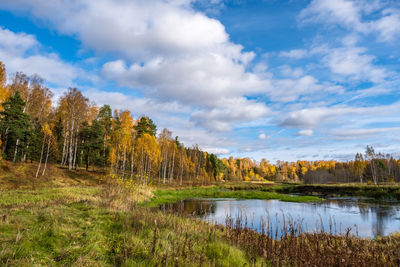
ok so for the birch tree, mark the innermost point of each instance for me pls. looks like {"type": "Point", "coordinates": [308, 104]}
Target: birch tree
{"type": "Point", "coordinates": [73, 110]}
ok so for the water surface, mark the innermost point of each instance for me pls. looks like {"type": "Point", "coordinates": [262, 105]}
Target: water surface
{"type": "Point", "coordinates": [336, 215]}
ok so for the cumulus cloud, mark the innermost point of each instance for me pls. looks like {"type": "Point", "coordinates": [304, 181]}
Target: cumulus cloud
{"type": "Point", "coordinates": [217, 150]}
{"type": "Point", "coordinates": [356, 134]}
{"type": "Point", "coordinates": [287, 90]}
{"type": "Point", "coordinates": [313, 117]}
{"type": "Point", "coordinates": [166, 49]}
{"type": "Point", "coordinates": [193, 79]}
{"type": "Point", "coordinates": [235, 111]}
{"type": "Point", "coordinates": [138, 106]}
{"type": "Point", "coordinates": [353, 15]}
{"type": "Point", "coordinates": [353, 62]}
{"type": "Point", "coordinates": [21, 52]}
{"type": "Point", "coordinates": [295, 53]}
{"type": "Point", "coordinates": [262, 136]}
{"type": "Point", "coordinates": [307, 132]}
{"type": "Point", "coordinates": [203, 80]}
{"type": "Point", "coordinates": [389, 25]}
{"type": "Point", "coordinates": [135, 29]}
{"type": "Point", "coordinates": [344, 12]}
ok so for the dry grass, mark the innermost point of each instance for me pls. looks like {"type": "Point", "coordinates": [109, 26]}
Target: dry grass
{"type": "Point", "coordinates": [296, 248]}
{"type": "Point", "coordinates": [22, 176]}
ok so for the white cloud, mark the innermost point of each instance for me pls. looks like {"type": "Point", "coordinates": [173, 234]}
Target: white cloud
{"type": "Point", "coordinates": [342, 12]}
{"type": "Point", "coordinates": [202, 80]}
{"type": "Point", "coordinates": [164, 48]}
{"type": "Point", "coordinates": [138, 106]}
{"type": "Point", "coordinates": [316, 117]}
{"type": "Point", "coordinates": [199, 83]}
{"type": "Point", "coordinates": [234, 112]}
{"type": "Point", "coordinates": [287, 90]}
{"type": "Point", "coordinates": [262, 136]}
{"type": "Point", "coordinates": [353, 16]}
{"type": "Point", "coordinates": [20, 52]}
{"type": "Point", "coordinates": [354, 63]}
{"type": "Point", "coordinates": [356, 134]}
{"type": "Point", "coordinates": [307, 132]}
{"type": "Point", "coordinates": [217, 150]}
{"type": "Point", "coordinates": [16, 43]}
{"type": "Point", "coordinates": [388, 26]}
{"type": "Point", "coordinates": [136, 29]}
{"type": "Point", "coordinates": [295, 53]}
{"type": "Point", "coordinates": [291, 72]}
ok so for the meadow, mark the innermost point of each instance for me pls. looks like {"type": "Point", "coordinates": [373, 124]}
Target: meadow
{"type": "Point", "coordinates": [79, 218]}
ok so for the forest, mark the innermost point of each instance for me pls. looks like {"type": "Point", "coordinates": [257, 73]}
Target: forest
{"type": "Point", "coordinates": [75, 133]}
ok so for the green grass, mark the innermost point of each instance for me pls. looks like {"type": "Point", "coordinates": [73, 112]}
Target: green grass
{"type": "Point", "coordinates": [76, 219]}
{"type": "Point", "coordinates": [81, 226]}
{"type": "Point", "coordinates": [102, 225]}
{"type": "Point", "coordinates": [173, 195]}
{"type": "Point", "coordinates": [378, 192]}
{"type": "Point", "coordinates": [43, 195]}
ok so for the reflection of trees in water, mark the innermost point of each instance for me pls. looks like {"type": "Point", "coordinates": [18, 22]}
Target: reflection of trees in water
{"type": "Point", "coordinates": [381, 213]}
{"type": "Point", "coordinates": [378, 215]}
{"type": "Point", "coordinates": [190, 207]}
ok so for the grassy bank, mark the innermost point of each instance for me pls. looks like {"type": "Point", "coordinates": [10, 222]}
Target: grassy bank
{"type": "Point", "coordinates": [381, 192]}
{"type": "Point", "coordinates": [173, 195]}
{"type": "Point", "coordinates": [377, 192]}
{"type": "Point", "coordinates": [102, 225]}
{"type": "Point", "coordinates": [76, 219]}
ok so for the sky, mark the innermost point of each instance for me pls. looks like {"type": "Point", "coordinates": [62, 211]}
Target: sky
{"type": "Point", "coordinates": [281, 80]}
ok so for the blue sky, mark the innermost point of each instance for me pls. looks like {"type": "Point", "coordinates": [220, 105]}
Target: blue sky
{"type": "Point", "coordinates": [268, 79]}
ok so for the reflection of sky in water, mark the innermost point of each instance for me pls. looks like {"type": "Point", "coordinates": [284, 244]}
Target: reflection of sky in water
{"type": "Point", "coordinates": [371, 219]}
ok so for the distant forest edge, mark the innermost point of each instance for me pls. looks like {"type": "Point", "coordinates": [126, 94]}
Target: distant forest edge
{"type": "Point", "coordinates": [76, 133]}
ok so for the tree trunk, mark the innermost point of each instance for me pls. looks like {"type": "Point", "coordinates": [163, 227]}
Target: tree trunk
{"type": "Point", "coordinates": [76, 150]}
{"type": "Point", "coordinates": [149, 171]}
{"type": "Point", "coordinates": [181, 170]}
{"type": "Point", "coordinates": [71, 140]}
{"type": "Point", "coordinates": [131, 170]}
{"type": "Point", "coordinates": [123, 164]}
{"type": "Point", "coordinates": [171, 172]}
{"type": "Point", "coordinates": [16, 150]}
{"type": "Point", "coordinates": [373, 172]}
{"type": "Point", "coordinates": [41, 157]}
{"type": "Point", "coordinates": [165, 165]}
{"type": "Point", "coordinates": [65, 146]}
{"type": "Point", "coordinates": [87, 159]}
{"type": "Point", "coordinates": [141, 165]}
{"type": "Point", "coordinates": [47, 156]}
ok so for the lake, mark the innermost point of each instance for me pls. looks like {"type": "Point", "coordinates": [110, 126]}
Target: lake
{"type": "Point", "coordinates": [365, 219]}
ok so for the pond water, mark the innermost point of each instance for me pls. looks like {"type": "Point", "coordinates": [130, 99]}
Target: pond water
{"type": "Point", "coordinates": [335, 215]}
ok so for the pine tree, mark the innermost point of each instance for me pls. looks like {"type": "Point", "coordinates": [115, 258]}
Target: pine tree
{"type": "Point", "coordinates": [145, 125]}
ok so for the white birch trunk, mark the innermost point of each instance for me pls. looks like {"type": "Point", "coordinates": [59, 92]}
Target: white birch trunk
{"type": "Point", "coordinates": [41, 157]}
{"type": "Point", "coordinates": [47, 157]}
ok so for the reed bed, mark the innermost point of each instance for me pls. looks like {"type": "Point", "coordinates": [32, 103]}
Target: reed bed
{"type": "Point", "coordinates": [287, 244]}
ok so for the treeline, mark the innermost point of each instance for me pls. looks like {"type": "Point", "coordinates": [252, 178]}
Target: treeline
{"type": "Point", "coordinates": [76, 133]}
{"type": "Point", "coordinates": [370, 167]}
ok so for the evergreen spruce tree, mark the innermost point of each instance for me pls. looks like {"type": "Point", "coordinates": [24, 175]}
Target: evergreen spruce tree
{"type": "Point", "coordinates": [93, 143]}
{"type": "Point", "coordinates": [106, 120]}
{"type": "Point", "coordinates": [14, 125]}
